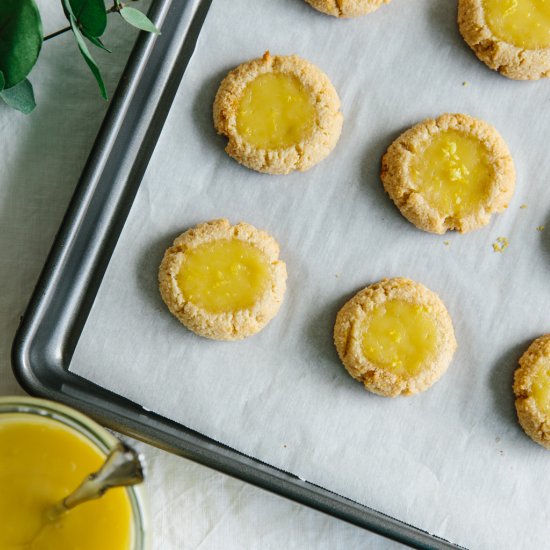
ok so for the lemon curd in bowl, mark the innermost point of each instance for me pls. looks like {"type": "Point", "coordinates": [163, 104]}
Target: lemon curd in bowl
{"type": "Point", "coordinates": [46, 451]}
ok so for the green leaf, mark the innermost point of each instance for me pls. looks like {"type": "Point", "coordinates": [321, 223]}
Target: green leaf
{"type": "Point", "coordinates": [2, 81]}
{"type": "Point", "coordinates": [97, 42]}
{"type": "Point", "coordinates": [87, 56]}
{"type": "Point", "coordinates": [20, 97]}
{"type": "Point", "coordinates": [20, 39]}
{"type": "Point", "coordinates": [90, 16]}
{"type": "Point", "coordinates": [138, 19]}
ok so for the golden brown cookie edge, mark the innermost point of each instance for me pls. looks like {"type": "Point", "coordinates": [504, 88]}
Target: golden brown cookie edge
{"type": "Point", "coordinates": [535, 423]}
{"type": "Point", "coordinates": [230, 325]}
{"type": "Point", "coordinates": [345, 9]}
{"type": "Point", "coordinates": [298, 157]}
{"type": "Point", "coordinates": [509, 60]}
{"type": "Point", "coordinates": [378, 380]}
{"type": "Point", "coordinates": [412, 205]}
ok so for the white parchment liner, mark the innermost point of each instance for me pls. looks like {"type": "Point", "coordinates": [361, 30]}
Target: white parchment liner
{"type": "Point", "coordinates": [452, 461]}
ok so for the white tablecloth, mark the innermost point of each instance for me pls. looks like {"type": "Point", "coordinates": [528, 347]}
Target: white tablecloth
{"type": "Point", "coordinates": [42, 155]}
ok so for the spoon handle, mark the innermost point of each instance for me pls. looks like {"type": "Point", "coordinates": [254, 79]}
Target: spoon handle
{"type": "Point", "coordinates": [121, 468]}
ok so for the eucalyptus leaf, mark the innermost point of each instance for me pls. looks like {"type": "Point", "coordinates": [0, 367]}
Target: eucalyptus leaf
{"type": "Point", "coordinates": [88, 56]}
{"type": "Point", "coordinates": [97, 42]}
{"type": "Point", "coordinates": [90, 16]}
{"type": "Point", "coordinates": [138, 19]}
{"type": "Point", "coordinates": [20, 97]}
{"type": "Point", "coordinates": [20, 39]}
{"type": "Point", "coordinates": [2, 81]}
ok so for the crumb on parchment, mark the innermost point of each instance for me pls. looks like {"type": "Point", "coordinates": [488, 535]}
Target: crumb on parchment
{"type": "Point", "coordinates": [446, 243]}
{"type": "Point", "coordinates": [465, 83]}
{"type": "Point", "coordinates": [501, 244]}
{"type": "Point", "coordinates": [540, 228]}
{"type": "Point", "coordinates": [523, 206]}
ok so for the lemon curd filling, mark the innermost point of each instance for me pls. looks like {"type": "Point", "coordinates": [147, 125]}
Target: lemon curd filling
{"type": "Point", "coordinates": [224, 275]}
{"type": "Point", "coordinates": [452, 173]}
{"type": "Point", "coordinates": [540, 388]}
{"type": "Point", "coordinates": [399, 336]}
{"type": "Point", "coordinates": [275, 112]}
{"type": "Point", "coordinates": [523, 23]}
{"type": "Point", "coordinates": [41, 462]}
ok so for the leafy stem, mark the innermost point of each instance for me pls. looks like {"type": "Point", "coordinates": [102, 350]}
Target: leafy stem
{"type": "Point", "coordinates": [21, 39]}
{"type": "Point", "coordinates": [57, 33]}
{"type": "Point", "coordinates": [116, 7]}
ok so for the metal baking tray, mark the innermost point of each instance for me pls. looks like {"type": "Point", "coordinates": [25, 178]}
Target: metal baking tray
{"type": "Point", "coordinates": [71, 277]}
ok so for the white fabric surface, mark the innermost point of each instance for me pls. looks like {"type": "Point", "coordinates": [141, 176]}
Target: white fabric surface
{"type": "Point", "coordinates": [191, 506]}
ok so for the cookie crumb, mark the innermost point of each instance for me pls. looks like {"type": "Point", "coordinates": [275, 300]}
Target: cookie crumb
{"type": "Point", "coordinates": [465, 83]}
{"type": "Point", "coordinates": [497, 439]}
{"type": "Point", "coordinates": [501, 244]}
{"type": "Point", "coordinates": [540, 228]}
{"type": "Point", "coordinates": [523, 206]}
{"type": "Point", "coordinates": [446, 243]}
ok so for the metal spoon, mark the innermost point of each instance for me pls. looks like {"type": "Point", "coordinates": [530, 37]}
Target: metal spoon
{"type": "Point", "coordinates": [122, 467]}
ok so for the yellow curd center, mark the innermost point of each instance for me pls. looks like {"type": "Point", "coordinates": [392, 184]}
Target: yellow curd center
{"type": "Point", "coordinates": [275, 112]}
{"type": "Point", "coordinates": [540, 389]}
{"type": "Point", "coordinates": [41, 462]}
{"type": "Point", "coordinates": [224, 275]}
{"type": "Point", "coordinates": [523, 23]}
{"type": "Point", "coordinates": [452, 173]}
{"type": "Point", "coordinates": [399, 336]}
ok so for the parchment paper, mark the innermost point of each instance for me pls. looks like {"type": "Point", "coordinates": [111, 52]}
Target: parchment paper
{"type": "Point", "coordinates": [453, 460]}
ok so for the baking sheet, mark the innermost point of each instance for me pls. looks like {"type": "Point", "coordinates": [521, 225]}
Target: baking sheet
{"type": "Point", "coordinates": [453, 460]}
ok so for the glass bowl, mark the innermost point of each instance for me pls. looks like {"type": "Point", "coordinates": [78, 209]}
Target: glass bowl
{"type": "Point", "coordinates": [94, 434]}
